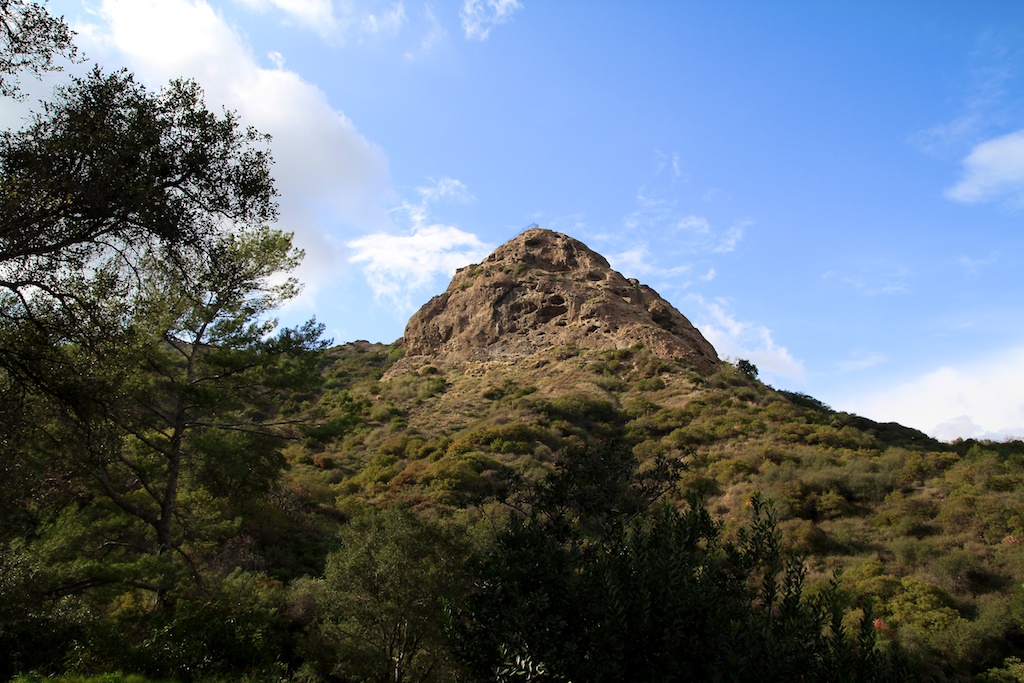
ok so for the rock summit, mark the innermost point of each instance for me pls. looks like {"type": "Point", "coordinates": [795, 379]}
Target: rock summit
{"type": "Point", "coordinates": [544, 289]}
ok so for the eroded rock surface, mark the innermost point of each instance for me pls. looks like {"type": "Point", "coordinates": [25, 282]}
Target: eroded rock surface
{"type": "Point", "coordinates": [544, 289]}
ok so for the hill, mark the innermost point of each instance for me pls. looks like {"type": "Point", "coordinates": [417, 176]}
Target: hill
{"type": "Point", "coordinates": [542, 351]}
{"type": "Point", "coordinates": [551, 457]}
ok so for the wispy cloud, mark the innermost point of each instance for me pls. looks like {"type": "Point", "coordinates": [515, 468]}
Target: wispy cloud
{"type": "Point", "coordinates": [993, 171]}
{"type": "Point", "coordinates": [445, 189]}
{"type": "Point", "coordinates": [480, 16]}
{"type": "Point", "coordinates": [727, 241]}
{"type": "Point", "coordinates": [972, 266]}
{"type": "Point", "coordinates": [360, 22]}
{"type": "Point", "coordinates": [672, 163]}
{"type": "Point", "coordinates": [397, 267]}
{"type": "Point", "coordinates": [862, 360]}
{"type": "Point", "coordinates": [314, 14]}
{"type": "Point", "coordinates": [389, 21]}
{"type": "Point", "coordinates": [991, 67]}
{"type": "Point", "coordinates": [671, 247]}
{"type": "Point", "coordinates": [982, 399]}
{"type": "Point", "coordinates": [638, 262]}
{"type": "Point", "coordinates": [733, 338]}
{"type": "Point", "coordinates": [432, 34]}
{"type": "Point", "coordinates": [692, 235]}
{"type": "Point", "coordinates": [878, 282]}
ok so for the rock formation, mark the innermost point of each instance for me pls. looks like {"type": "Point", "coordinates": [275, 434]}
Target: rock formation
{"type": "Point", "coordinates": [541, 290]}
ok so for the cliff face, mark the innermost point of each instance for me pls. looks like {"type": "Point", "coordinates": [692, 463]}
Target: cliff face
{"type": "Point", "coordinates": [544, 289]}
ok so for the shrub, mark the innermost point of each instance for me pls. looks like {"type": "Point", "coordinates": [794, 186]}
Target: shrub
{"type": "Point", "coordinates": [650, 384]}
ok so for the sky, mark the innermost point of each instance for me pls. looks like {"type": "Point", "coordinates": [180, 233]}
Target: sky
{"type": "Point", "coordinates": [831, 190]}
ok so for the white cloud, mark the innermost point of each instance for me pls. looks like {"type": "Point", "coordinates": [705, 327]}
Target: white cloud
{"type": "Point", "coordinates": [315, 14]}
{"type": "Point", "coordinates": [727, 242]}
{"type": "Point", "coordinates": [733, 338]}
{"type": "Point", "coordinates": [938, 138]}
{"type": "Point", "coordinates": [984, 99]}
{"type": "Point", "coordinates": [445, 188]}
{"type": "Point", "coordinates": [983, 398]}
{"type": "Point", "coordinates": [389, 21]}
{"type": "Point", "coordinates": [448, 189]}
{"type": "Point", "coordinates": [657, 212]}
{"type": "Point", "coordinates": [396, 266]}
{"type": "Point", "coordinates": [862, 361]}
{"type": "Point", "coordinates": [695, 224]}
{"type": "Point", "coordinates": [365, 20]}
{"type": "Point", "coordinates": [330, 177]}
{"type": "Point", "coordinates": [671, 162]}
{"type": "Point", "coordinates": [433, 35]}
{"type": "Point", "coordinates": [480, 16]}
{"type": "Point", "coordinates": [691, 234]}
{"type": "Point", "coordinates": [994, 170]}
{"type": "Point", "coordinates": [638, 262]}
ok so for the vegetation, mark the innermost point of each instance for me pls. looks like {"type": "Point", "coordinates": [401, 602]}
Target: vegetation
{"type": "Point", "coordinates": [189, 493]}
{"type": "Point", "coordinates": [30, 40]}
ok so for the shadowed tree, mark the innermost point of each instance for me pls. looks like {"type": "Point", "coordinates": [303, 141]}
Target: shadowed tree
{"type": "Point", "coordinates": [30, 39]}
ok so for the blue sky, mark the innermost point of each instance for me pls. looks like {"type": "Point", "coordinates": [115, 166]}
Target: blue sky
{"type": "Point", "coordinates": [833, 190]}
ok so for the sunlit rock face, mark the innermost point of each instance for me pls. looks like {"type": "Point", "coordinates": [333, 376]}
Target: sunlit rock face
{"type": "Point", "coordinates": [541, 290]}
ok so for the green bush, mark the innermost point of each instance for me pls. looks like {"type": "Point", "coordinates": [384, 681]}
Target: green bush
{"type": "Point", "coordinates": [380, 610]}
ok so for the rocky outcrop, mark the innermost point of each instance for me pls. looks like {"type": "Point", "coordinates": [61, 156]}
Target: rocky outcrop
{"type": "Point", "coordinates": [544, 289]}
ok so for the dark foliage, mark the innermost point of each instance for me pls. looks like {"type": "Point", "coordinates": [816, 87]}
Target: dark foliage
{"type": "Point", "coordinates": [564, 595]}
{"type": "Point", "coordinates": [30, 39]}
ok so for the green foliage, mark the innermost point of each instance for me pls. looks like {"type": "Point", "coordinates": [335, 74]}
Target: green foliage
{"type": "Point", "coordinates": [508, 388]}
{"type": "Point", "coordinates": [650, 384]}
{"type": "Point", "coordinates": [578, 408]}
{"type": "Point", "coordinates": [231, 626]}
{"type": "Point", "coordinates": [382, 602]}
{"type": "Point", "coordinates": [805, 401]}
{"type": "Point", "coordinates": [694, 606]}
{"type": "Point", "coordinates": [36, 620]}
{"type": "Point", "coordinates": [138, 274]}
{"type": "Point", "coordinates": [747, 368]}
{"type": "Point", "coordinates": [413, 388]}
{"type": "Point", "coordinates": [101, 678]}
{"type": "Point", "coordinates": [1011, 671]}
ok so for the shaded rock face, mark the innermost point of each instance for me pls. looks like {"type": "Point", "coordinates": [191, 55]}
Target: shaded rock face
{"type": "Point", "coordinates": [544, 289]}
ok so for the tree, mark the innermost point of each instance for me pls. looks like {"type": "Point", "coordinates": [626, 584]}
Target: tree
{"type": "Point", "coordinates": [149, 389]}
{"type": "Point", "coordinates": [180, 416]}
{"type": "Point", "coordinates": [383, 600]}
{"type": "Point", "coordinates": [747, 368]}
{"type": "Point", "coordinates": [108, 173]}
{"type": "Point", "coordinates": [29, 39]}
{"type": "Point", "coordinates": [135, 288]}
{"type": "Point", "coordinates": [106, 177]}
{"type": "Point", "coordinates": [663, 597]}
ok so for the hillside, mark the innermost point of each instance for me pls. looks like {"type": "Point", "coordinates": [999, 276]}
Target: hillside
{"type": "Point", "coordinates": [551, 457]}
{"type": "Point", "coordinates": [929, 531]}
{"type": "Point", "coordinates": [504, 382]}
